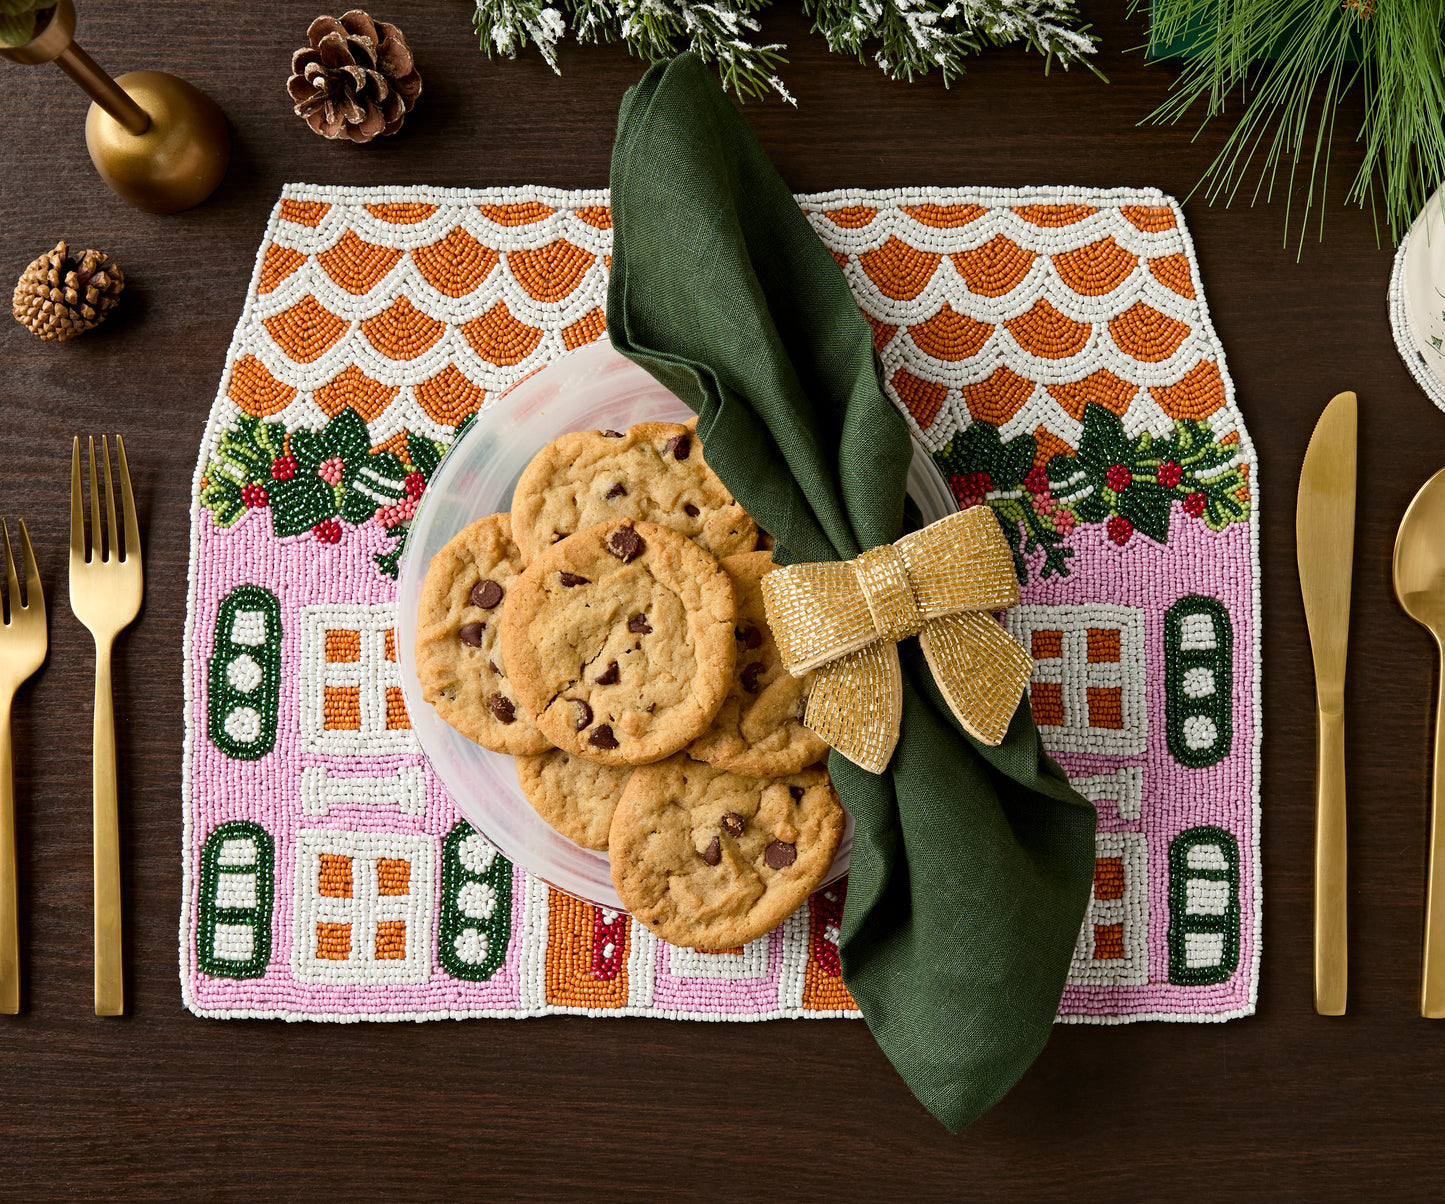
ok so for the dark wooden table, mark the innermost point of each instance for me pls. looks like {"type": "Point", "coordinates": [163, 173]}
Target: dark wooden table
{"type": "Point", "coordinates": [1286, 1102]}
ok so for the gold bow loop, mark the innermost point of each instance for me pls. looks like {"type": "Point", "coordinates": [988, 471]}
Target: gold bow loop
{"type": "Point", "coordinates": [845, 618]}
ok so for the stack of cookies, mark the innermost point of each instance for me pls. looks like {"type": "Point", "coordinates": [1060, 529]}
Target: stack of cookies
{"type": "Point", "coordinates": [609, 633]}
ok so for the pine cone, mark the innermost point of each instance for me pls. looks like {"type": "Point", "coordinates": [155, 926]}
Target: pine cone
{"type": "Point", "coordinates": [356, 80]}
{"type": "Point", "coordinates": [60, 296]}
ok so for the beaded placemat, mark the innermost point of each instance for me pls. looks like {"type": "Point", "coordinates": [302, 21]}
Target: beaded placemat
{"type": "Point", "coordinates": [1052, 350]}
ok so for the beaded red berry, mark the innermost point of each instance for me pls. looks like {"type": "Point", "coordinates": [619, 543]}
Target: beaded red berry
{"type": "Point", "coordinates": [970, 488]}
{"type": "Point", "coordinates": [1118, 478]}
{"type": "Point", "coordinates": [1120, 529]}
{"type": "Point", "coordinates": [254, 496]}
{"type": "Point", "coordinates": [283, 468]}
{"type": "Point", "coordinates": [1194, 504]}
{"type": "Point", "coordinates": [414, 484]}
{"type": "Point", "coordinates": [328, 530]}
{"type": "Point", "coordinates": [1036, 480]}
{"type": "Point", "coordinates": [1169, 474]}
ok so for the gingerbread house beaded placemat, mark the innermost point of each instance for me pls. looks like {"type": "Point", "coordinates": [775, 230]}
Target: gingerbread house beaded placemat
{"type": "Point", "coordinates": [1050, 348]}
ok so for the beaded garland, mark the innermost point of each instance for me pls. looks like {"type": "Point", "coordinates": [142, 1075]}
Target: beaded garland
{"type": "Point", "coordinates": [1050, 348]}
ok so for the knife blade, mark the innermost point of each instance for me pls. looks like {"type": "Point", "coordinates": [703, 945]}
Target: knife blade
{"type": "Point", "coordinates": [1324, 543]}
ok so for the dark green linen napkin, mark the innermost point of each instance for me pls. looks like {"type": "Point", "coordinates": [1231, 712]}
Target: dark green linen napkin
{"type": "Point", "coordinates": [971, 865]}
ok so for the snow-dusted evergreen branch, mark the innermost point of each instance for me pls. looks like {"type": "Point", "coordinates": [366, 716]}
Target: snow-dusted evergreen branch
{"type": "Point", "coordinates": [906, 38]}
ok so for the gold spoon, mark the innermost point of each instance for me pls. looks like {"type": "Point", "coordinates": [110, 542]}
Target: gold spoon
{"type": "Point", "coordinates": [1420, 586]}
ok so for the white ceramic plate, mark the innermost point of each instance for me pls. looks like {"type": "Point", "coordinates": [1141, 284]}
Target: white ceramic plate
{"type": "Point", "coordinates": [593, 388]}
{"type": "Point", "coordinates": [1424, 286]}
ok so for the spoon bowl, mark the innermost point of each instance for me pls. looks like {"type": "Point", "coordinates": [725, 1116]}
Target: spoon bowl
{"type": "Point", "coordinates": [1420, 587]}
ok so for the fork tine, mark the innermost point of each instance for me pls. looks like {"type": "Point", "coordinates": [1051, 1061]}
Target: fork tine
{"type": "Point", "coordinates": [112, 549]}
{"type": "Point", "coordinates": [77, 508]}
{"type": "Point", "coordinates": [132, 527]}
{"type": "Point", "coordinates": [12, 582]}
{"type": "Point", "coordinates": [95, 535]}
{"type": "Point", "coordinates": [34, 592]}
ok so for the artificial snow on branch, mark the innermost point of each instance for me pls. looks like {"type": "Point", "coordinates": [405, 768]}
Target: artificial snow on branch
{"type": "Point", "coordinates": [906, 38]}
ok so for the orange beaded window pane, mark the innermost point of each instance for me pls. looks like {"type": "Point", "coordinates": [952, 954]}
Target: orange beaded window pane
{"type": "Point", "coordinates": [396, 717]}
{"type": "Point", "coordinates": [1106, 707]}
{"type": "Point", "coordinates": [1198, 394]}
{"type": "Point", "coordinates": [341, 708]}
{"type": "Point", "coordinates": [333, 941]}
{"type": "Point", "coordinates": [255, 390]}
{"type": "Point", "coordinates": [1054, 215]}
{"type": "Point", "coordinates": [304, 213]}
{"type": "Point", "coordinates": [389, 643]}
{"type": "Point", "coordinates": [448, 397]}
{"type": "Point", "coordinates": [1101, 388]}
{"type": "Point", "coordinates": [1109, 878]}
{"type": "Point", "coordinates": [1046, 644]}
{"type": "Point", "coordinates": [944, 217]}
{"type": "Point", "coordinates": [393, 876]}
{"type": "Point", "coordinates": [1096, 269]}
{"type": "Point", "coordinates": [599, 217]}
{"type": "Point", "coordinates": [342, 646]}
{"type": "Point", "coordinates": [353, 389]}
{"type": "Point", "coordinates": [851, 217]}
{"type": "Point", "coordinates": [1108, 942]}
{"type": "Point", "coordinates": [333, 878]}
{"type": "Point", "coordinates": [279, 263]}
{"type": "Point", "coordinates": [1047, 700]}
{"type": "Point", "coordinates": [994, 269]}
{"type": "Point", "coordinates": [390, 940]}
{"type": "Point", "coordinates": [516, 215]}
{"type": "Point", "coordinates": [1047, 333]}
{"type": "Point", "coordinates": [1103, 645]}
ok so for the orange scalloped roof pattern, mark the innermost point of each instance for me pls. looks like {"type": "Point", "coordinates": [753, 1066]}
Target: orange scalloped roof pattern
{"type": "Point", "coordinates": [356, 265]}
{"type": "Point", "coordinates": [1017, 309]}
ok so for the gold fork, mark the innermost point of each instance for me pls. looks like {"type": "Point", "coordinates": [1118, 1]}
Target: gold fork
{"type": "Point", "coordinates": [22, 649]}
{"type": "Point", "coordinates": [105, 594]}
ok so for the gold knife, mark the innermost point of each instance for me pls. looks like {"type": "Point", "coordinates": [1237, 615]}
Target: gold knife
{"type": "Point", "coordinates": [1325, 543]}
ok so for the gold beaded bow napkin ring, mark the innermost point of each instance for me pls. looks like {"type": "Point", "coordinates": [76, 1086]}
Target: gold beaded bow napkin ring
{"type": "Point", "coordinates": [845, 618]}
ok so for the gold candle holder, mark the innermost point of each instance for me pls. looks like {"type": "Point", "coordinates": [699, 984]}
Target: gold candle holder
{"type": "Point", "coordinates": [160, 143]}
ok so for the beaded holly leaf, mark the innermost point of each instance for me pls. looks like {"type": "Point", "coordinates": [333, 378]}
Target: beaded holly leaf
{"type": "Point", "coordinates": [316, 480]}
{"type": "Point", "coordinates": [1127, 483]}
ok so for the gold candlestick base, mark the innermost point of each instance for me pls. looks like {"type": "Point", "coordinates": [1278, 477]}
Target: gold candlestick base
{"type": "Point", "coordinates": [159, 142]}
{"type": "Point", "coordinates": [180, 158]}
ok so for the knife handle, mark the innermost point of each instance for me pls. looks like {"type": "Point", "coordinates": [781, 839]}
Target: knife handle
{"type": "Point", "coordinates": [1331, 953]}
{"type": "Point", "coordinates": [1432, 989]}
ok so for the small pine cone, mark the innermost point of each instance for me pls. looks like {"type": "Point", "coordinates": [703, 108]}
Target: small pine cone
{"type": "Point", "coordinates": [60, 296]}
{"type": "Point", "coordinates": [356, 80]}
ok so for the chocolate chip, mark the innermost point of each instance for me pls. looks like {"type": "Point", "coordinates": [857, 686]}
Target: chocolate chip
{"type": "Point", "coordinates": [651, 706]}
{"type": "Point", "coordinates": [802, 707]}
{"type": "Point", "coordinates": [503, 708]}
{"type": "Point", "coordinates": [689, 509]}
{"type": "Point", "coordinates": [486, 594]}
{"type": "Point", "coordinates": [638, 625]}
{"type": "Point", "coordinates": [625, 543]}
{"type": "Point", "coordinates": [779, 855]}
{"type": "Point", "coordinates": [751, 637]}
{"type": "Point", "coordinates": [492, 665]}
{"type": "Point", "coordinates": [732, 823]}
{"type": "Point", "coordinates": [680, 446]}
{"type": "Point", "coordinates": [612, 434]}
{"type": "Point", "coordinates": [713, 853]}
{"type": "Point", "coordinates": [618, 490]}
{"type": "Point", "coordinates": [571, 579]}
{"type": "Point", "coordinates": [584, 713]}
{"type": "Point", "coordinates": [796, 792]}
{"type": "Point", "coordinates": [611, 677]}
{"type": "Point", "coordinates": [750, 677]}
{"type": "Point", "coordinates": [602, 737]}
{"type": "Point", "coordinates": [471, 634]}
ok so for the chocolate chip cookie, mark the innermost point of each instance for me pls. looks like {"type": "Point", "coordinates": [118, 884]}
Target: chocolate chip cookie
{"type": "Point", "coordinates": [575, 796]}
{"type": "Point", "coordinates": [759, 730]}
{"type": "Point", "coordinates": [713, 859]}
{"type": "Point", "coordinates": [458, 655]}
{"type": "Point", "coordinates": [619, 639]}
{"type": "Point", "coordinates": [653, 472]}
